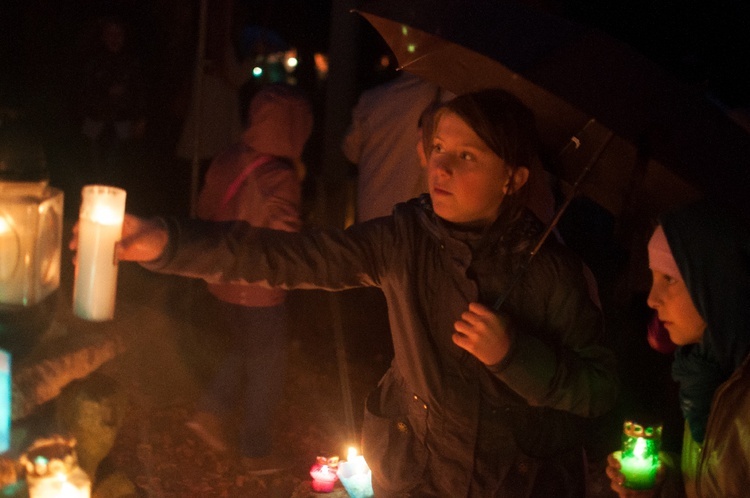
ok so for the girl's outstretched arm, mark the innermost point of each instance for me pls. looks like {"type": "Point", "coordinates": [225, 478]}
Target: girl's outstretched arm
{"type": "Point", "coordinates": [142, 239]}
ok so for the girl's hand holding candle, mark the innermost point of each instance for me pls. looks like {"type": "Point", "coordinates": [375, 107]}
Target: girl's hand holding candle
{"type": "Point", "coordinates": [142, 239]}
{"type": "Point", "coordinates": [618, 479]}
{"type": "Point", "coordinates": [636, 471]}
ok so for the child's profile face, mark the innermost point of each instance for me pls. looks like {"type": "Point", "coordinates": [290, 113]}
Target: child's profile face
{"type": "Point", "coordinates": [467, 180]}
{"type": "Point", "coordinates": [671, 299]}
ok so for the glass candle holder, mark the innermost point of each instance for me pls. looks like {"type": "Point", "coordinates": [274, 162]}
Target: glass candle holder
{"type": "Point", "coordinates": [99, 229]}
{"type": "Point", "coordinates": [52, 469]}
{"type": "Point", "coordinates": [356, 475]}
{"type": "Point", "coordinates": [323, 474]}
{"type": "Point", "coordinates": [640, 454]}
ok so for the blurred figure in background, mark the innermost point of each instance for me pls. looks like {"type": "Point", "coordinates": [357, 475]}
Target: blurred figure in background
{"type": "Point", "coordinates": [213, 121]}
{"type": "Point", "coordinates": [382, 140]}
{"type": "Point", "coordinates": [257, 180]}
{"type": "Point", "coordinates": [112, 102]}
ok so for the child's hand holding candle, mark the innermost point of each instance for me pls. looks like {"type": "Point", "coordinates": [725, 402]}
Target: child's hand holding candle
{"type": "Point", "coordinates": [637, 466]}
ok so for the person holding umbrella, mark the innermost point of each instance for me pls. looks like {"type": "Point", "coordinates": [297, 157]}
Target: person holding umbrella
{"type": "Point", "coordinates": [477, 402]}
{"type": "Point", "coordinates": [699, 257]}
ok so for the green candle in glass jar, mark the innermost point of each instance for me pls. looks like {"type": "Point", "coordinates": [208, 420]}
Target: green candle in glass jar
{"type": "Point", "coordinates": [640, 454]}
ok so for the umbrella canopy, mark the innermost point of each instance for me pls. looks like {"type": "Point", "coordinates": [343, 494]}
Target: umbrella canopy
{"type": "Point", "coordinates": [670, 139]}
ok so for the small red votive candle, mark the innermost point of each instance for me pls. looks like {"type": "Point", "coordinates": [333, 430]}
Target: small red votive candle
{"type": "Point", "coordinates": [323, 478]}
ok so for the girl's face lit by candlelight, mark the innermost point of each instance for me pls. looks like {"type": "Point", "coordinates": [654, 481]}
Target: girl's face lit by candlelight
{"type": "Point", "coordinates": [467, 180]}
{"type": "Point", "coordinates": [670, 298]}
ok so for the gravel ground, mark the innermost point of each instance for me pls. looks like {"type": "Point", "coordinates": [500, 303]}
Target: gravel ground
{"type": "Point", "coordinates": [165, 371]}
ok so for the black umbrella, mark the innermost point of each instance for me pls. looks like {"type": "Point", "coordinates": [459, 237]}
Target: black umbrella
{"type": "Point", "coordinates": [671, 143]}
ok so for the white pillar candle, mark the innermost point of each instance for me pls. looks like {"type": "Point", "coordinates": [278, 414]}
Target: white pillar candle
{"type": "Point", "coordinates": [99, 229]}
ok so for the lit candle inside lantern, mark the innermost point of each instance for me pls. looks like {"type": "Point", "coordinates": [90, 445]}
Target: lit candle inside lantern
{"type": "Point", "coordinates": [323, 474]}
{"type": "Point", "coordinates": [8, 249]}
{"type": "Point", "coordinates": [355, 475]}
{"type": "Point", "coordinates": [640, 455]}
{"type": "Point", "coordinates": [99, 229]}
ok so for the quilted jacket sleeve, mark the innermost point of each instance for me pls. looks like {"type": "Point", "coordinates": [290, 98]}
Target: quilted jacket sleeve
{"type": "Point", "coordinates": [557, 358]}
{"type": "Point", "coordinates": [312, 259]}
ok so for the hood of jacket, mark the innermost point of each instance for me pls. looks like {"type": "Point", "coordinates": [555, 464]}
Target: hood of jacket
{"type": "Point", "coordinates": [280, 120]}
{"type": "Point", "coordinates": [712, 249]}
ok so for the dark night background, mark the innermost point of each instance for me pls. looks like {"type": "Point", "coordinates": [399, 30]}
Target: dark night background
{"type": "Point", "coordinates": [702, 42]}
{"type": "Point", "coordinates": [706, 44]}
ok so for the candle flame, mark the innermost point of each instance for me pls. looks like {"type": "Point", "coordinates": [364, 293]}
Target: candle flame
{"type": "Point", "coordinates": [4, 225]}
{"type": "Point", "coordinates": [351, 453]}
{"type": "Point", "coordinates": [640, 449]}
{"type": "Point", "coordinates": [104, 215]}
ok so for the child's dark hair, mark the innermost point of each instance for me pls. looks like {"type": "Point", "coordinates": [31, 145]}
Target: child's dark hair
{"type": "Point", "coordinates": [504, 123]}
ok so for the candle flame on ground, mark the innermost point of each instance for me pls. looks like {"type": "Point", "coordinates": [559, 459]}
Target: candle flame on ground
{"type": "Point", "coordinates": [351, 453]}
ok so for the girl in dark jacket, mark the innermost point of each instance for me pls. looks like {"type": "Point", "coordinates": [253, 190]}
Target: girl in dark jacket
{"type": "Point", "coordinates": [478, 402]}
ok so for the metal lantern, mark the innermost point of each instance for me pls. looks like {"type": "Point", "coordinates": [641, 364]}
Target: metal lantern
{"type": "Point", "coordinates": [640, 454]}
{"type": "Point", "coordinates": [31, 217]}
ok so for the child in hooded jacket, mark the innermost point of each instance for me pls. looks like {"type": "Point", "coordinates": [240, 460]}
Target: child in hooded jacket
{"type": "Point", "coordinates": [256, 180]}
{"type": "Point", "coordinates": [699, 256]}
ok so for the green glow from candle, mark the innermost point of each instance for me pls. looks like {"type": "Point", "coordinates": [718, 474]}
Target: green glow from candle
{"type": "Point", "coordinates": [640, 455]}
{"type": "Point", "coordinates": [640, 448]}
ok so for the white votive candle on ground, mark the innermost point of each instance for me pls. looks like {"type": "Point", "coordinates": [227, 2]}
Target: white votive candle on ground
{"type": "Point", "coordinates": [356, 476]}
{"type": "Point", "coordinates": [99, 229]}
